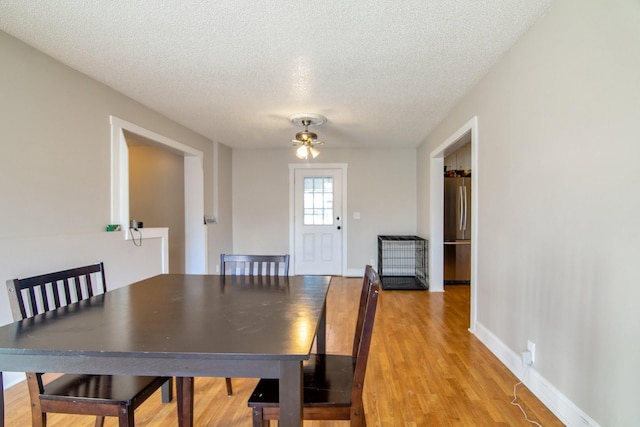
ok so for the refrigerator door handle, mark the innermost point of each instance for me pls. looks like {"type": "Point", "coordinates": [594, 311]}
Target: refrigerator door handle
{"type": "Point", "coordinates": [460, 208]}
{"type": "Point", "coordinates": [465, 207]}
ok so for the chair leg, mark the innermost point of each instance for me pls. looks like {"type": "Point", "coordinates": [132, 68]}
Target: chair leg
{"type": "Point", "coordinates": [99, 420]}
{"type": "Point", "coordinates": [357, 417]}
{"type": "Point", "coordinates": [229, 389]}
{"type": "Point", "coordinates": [38, 418]}
{"type": "Point", "coordinates": [125, 417]}
{"type": "Point", "coordinates": [258, 421]}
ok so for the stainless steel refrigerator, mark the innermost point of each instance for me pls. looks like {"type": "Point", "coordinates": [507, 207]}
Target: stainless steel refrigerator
{"type": "Point", "coordinates": [457, 230]}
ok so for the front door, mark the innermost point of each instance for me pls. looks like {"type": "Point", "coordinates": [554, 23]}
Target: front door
{"type": "Point", "coordinates": [318, 221]}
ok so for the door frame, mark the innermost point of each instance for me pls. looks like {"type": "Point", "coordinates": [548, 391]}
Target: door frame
{"type": "Point", "coordinates": [195, 232]}
{"type": "Point", "coordinates": [436, 211]}
{"type": "Point", "coordinates": [292, 238]}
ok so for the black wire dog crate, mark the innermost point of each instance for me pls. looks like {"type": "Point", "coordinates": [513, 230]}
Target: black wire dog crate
{"type": "Point", "coordinates": [402, 262]}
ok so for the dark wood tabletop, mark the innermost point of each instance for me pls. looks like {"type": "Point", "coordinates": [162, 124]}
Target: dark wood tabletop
{"type": "Point", "coordinates": [184, 326]}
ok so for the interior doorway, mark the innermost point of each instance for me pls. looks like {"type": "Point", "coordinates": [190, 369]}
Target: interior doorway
{"type": "Point", "coordinates": [156, 193]}
{"type": "Point", "coordinates": [465, 134]}
{"type": "Point", "coordinates": [458, 182]}
{"type": "Point", "coordinates": [194, 228]}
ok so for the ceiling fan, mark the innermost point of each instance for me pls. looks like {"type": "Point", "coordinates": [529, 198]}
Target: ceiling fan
{"type": "Point", "coordinates": [306, 141]}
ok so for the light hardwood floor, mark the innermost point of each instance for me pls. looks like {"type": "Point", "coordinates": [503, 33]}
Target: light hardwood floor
{"type": "Point", "coordinates": [425, 369]}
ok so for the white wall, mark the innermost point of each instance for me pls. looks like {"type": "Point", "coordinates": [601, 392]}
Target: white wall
{"type": "Point", "coordinates": [381, 185]}
{"type": "Point", "coordinates": [221, 233]}
{"type": "Point", "coordinates": [55, 171]}
{"type": "Point", "coordinates": [557, 223]}
{"type": "Point", "coordinates": [55, 143]}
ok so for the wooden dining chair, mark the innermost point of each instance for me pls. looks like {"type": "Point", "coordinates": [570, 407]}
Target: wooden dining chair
{"type": "Point", "coordinates": [99, 395]}
{"type": "Point", "coordinates": [332, 383]}
{"type": "Point", "coordinates": [252, 265]}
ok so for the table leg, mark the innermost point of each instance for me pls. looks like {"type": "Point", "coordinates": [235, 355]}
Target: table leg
{"type": "Point", "coordinates": [290, 394]}
{"type": "Point", "coordinates": [167, 391]}
{"type": "Point", "coordinates": [321, 336]}
{"type": "Point", "coordinates": [184, 392]}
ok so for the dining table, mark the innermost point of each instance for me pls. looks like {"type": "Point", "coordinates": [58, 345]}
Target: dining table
{"type": "Point", "coordinates": [183, 326]}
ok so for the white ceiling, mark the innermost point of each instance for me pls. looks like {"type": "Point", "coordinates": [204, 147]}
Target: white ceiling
{"type": "Point", "coordinates": [384, 73]}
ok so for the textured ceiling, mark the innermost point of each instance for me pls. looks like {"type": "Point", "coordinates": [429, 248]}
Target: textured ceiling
{"type": "Point", "coordinates": [384, 73]}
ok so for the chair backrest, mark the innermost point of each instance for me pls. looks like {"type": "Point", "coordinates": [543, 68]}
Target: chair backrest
{"type": "Point", "coordinates": [39, 294]}
{"type": "Point", "coordinates": [254, 265]}
{"type": "Point", "coordinates": [370, 276]}
{"type": "Point", "coordinates": [362, 340]}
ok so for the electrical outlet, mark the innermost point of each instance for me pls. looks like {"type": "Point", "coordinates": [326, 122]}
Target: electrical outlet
{"type": "Point", "coordinates": [526, 358]}
{"type": "Point", "coordinates": [531, 347]}
{"type": "Point", "coordinates": [217, 268]}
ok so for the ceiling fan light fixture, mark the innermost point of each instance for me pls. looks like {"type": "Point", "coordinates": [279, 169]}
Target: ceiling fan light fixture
{"type": "Point", "coordinates": [302, 152]}
{"type": "Point", "coordinates": [306, 141]}
{"type": "Point", "coordinates": [306, 136]}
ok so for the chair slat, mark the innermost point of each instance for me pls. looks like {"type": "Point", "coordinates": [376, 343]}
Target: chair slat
{"type": "Point", "coordinates": [78, 288]}
{"type": "Point", "coordinates": [89, 285]}
{"type": "Point", "coordinates": [67, 291]}
{"type": "Point", "coordinates": [33, 300]}
{"type": "Point", "coordinates": [56, 294]}
{"type": "Point", "coordinates": [23, 310]}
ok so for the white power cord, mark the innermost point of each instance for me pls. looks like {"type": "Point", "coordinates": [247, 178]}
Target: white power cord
{"type": "Point", "coordinates": [515, 397]}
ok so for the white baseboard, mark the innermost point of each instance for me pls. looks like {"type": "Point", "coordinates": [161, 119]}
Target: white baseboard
{"type": "Point", "coordinates": [354, 272]}
{"type": "Point", "coordinates": [9, 379]}
{"type": "Point", "coordinates": [559, 404]}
